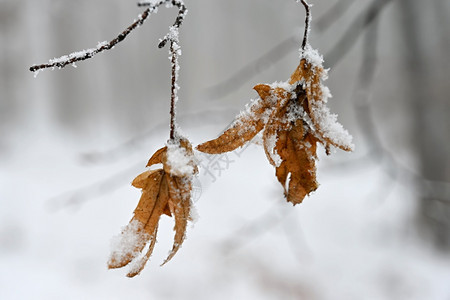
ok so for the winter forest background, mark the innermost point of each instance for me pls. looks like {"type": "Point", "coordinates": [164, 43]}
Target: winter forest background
{"type": "Point", "coordinates": [72, 140]}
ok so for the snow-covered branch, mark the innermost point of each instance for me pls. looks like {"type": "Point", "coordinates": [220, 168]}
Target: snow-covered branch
{"type": "Point", "coordinates": [153, 6]}
{"type": "Point", "coordinates": [174, 51]}
{"type": "Point", "coordinates": [182, 11]}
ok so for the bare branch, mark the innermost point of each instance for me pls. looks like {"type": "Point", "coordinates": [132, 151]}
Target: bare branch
{"type": "Point", "coordinates": [70, 59]}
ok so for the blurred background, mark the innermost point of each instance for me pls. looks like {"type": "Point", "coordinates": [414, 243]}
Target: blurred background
{"type": "Point", "coordinates": [72, 140]}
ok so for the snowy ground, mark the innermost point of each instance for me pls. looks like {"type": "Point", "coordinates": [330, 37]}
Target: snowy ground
{"type": "Point", "coordinates": [349, 240]}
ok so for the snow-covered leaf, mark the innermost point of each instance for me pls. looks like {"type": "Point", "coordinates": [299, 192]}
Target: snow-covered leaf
{"type": "Point", "coordinates": [164, 191]}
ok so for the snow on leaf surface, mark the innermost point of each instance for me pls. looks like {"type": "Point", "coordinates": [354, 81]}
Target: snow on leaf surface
{"type": "Point", "coordinates": [293, 117]}
{"type": "Point", "coordinates": [180, 160]}
{"type": "Point", "coordinates": [126, 246]}
{"type": "Point", "coordinates": [164, 191]}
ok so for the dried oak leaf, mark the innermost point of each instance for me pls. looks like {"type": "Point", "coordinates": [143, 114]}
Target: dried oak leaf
{"type": "Point", "coordinates": [293, 117]}
{"type": "Point", "coordinates": [164, 191]}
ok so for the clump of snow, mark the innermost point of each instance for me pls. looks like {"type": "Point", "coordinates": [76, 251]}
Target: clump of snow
{"type": "Point", "coordinates": [179, 160]}
{"type": "Point", "coordinates": [102, 44]}
{"type": "Point", "coordinates": [324, 119]}
{"type": "Point", "coordinates": [126, 245]}
{"type": "Point", "coordinates": [331, 128]}
{"type": "Point", "coordinates": [73, 55]}
{"type": "Point", "coordinates": [36, 73]}
{"type": "Point", "coordinates": [311, 55]}
{"type": "Point", "coordinates": [326, 93]}
{"type": "Point", "coordinates": [270, 144]}
{"type": "Point", "coordinates": [246, 113]}
{"type": "Point", "coordinates": [295, 112]}
{"type": "Point", "coordinates": [173, 34]}
{"type": "Point", "coordinates": [194, 216]}
{"type": "Point", "coordinates": [149, 2]}
{"type": "Point", "coordinates": [138, 264]}
{"type": "Point", "coordinates": [281, 84]}
{"type": "Point", "coordinates": [88, 53]}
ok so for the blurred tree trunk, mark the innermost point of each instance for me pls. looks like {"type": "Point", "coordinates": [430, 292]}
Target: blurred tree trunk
{"type": "Point", "coordinates": [9, 89]}
{"type": "Point", "coordinates": [430, 112]}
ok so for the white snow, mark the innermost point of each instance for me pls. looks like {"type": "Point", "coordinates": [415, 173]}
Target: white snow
{"type": "Point", "coordinates": [246, 113]}
{"type": "Point", "coordinates": [36, 73]}
{"type": "Point", "coordinates": [180, 162]}
{"type": "Point", "coordinates": [138, 263]}
{"type": "Point", "coordinates": [331, 128]}
{"type": "Point", "coordinates": [151, 2]}
{"type": "Point", "coordinates": [347, 241]}
{"type": "Point", "coordinates": [311, 55]}
{"type": "Point", "coordinates": [353, 239]}
{"type": "Point", "coordinates": [281, 84]}
{"type": "Point", "coordinates": [270, 144]}
{"type": "Point", "coordinates": [77, 54]}
{"type": "Point", "coordinates": [122, 245]}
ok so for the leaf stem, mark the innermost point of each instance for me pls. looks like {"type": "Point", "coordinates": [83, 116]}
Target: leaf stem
{"type": "Point", "coordinates": [307, 23]}
{"type": "Point", "coordinates": [173, 94]}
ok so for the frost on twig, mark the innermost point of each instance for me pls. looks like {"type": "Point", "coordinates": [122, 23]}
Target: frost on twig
{"type": "Point", "coordinates": [175, 52]}
{"type": "Point", "coordinates": [167, 190]}
{"type": "Point", "coordinates": [182, 11]}
{"type": "Point", "coordinates": [307, 23]}
{"type": "Point", "coordinates": [153, 6]}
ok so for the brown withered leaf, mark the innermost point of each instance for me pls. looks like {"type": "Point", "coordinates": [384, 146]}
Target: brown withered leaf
{"type": "Point", "coordinates": [313, 75]}
{"type": "Point", "coordinates": [297, 152]}
{"type": "Point", "coordinates": [164, 191]}
{"type": "Point", "coordinates": [289, 147]}
{"type": "Point", "coordinates": [245, 127]}
{"type": "Point", "coordinates": [293, 117]}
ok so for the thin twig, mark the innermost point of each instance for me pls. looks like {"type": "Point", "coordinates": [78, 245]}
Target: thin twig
{"type": "Point", "coordinates": [307, 23]}
{"type": "Point", "coordinates": [182, 11]}
{"type": "Point", "coordinates": [86, 54]}
{"type": "Point", "coordinates": [70, 59]}
{"type": "Point", "coordinates": [337, 53]}
{"type": "Point", "coordinates": [173, 94]}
